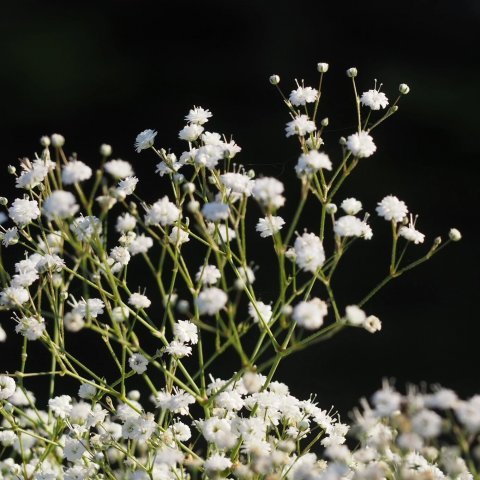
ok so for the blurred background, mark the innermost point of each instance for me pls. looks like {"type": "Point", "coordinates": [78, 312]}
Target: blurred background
{"type": "Point", "coordinates": [103, 71]}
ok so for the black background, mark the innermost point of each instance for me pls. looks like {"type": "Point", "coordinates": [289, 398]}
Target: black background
{"type": "Point", "coordinates": [103, 71]}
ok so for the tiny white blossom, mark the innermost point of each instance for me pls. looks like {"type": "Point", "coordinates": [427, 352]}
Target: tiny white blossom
{"type": "Point", "coordinates": [217, 463]}
{"type": "Point", "coordinates": [126, 187]}
{"type": "Point", "coordinates": [310, 314]}
{"type": "Point", "coordinates": [73, 449]}
{"type": "Point", "coordinates": [311, 162]}
{"type": "Point", "coordinates": [349, 226]}
{"type": "Point", "coordinates": [300, 125]}
{"type": "Point", "coordinates": [391, 208]}
{"type": "Point", "coordinates": [7, 387]}
{"type": "Point", "coordinates": [309, 252]}
{"type": "Point", "coordinates": [237, 183]}
{"type": "Point", "coordinates": [125, 223]}
{"type": "Point", "coordinates": [87, 391]}
{"type": "Point", "coordinates": [145, 140]}
{"type": "Point", "coordinates": [374, 99]}
{"type": "Point", "coordinates": [269, 225]}
{"type": "Point", "coordinates": [178, 349]}
{"type": "Point", "coordinates": [23, 211]}
{"type": "Point", "coordinates": [59, 205]}
{"type": "Point", "coordinates": [138, 363]}
{"type": "Point", "coordinates": [9, 237]}
{"type": "Point", "coordinates": [31, 328]}
{"type": "Point", "coordinates": [90, 308]}
{"type": "Point", "coordinates": [361, 145]}
{"type": "Point", "coordinates": [61, 406]}
{"type": "Point", "coordinates": [303, 95]}
{"type": "Point", "coordinates": [262, 313]}
{"type": "Point", "coordinates": [185, 331]}
{"type": "Point", "coordinates": [178, 236]}
{"type": "Point", "coordinates": [246, 277]}
{"type": "Point", "coordinates": [215, 211]}
{"type": "Point", "coordinates": [191, 132]}
{"type": "Point", "coordinates": [138, 300]}
{"type": "Point", "coordinates": [411, 234]}
{"type": "Point", "coordinates": [355, 315]}
{"type": "Point", "coordinates": [73, 321]}
{"type": "Point", "coordinates": [208, 275]}
{"type": "Point", "coordinates": [75, 171]}
{"type": "Point", "coordinates": [351, 206]}
{"type": "Point", "coordinates": [198, 115]}
{"type": "Point", "coordinates": [141, 244]}
{"type": "Point", "coordinates": [162, 212]}
{"type": "Point", "coordinates": [12, 297]}
{"type": "Point", "coordinates": [268, 192]}
{"type": "Point", "coordinates": [211, 300]}
{"type": "Point", "coordinates": [119, 169]}
{"type": "Point", "coordinates": [372, 324]}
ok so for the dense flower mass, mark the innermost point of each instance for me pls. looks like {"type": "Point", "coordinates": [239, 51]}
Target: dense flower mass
{"type": "Point", "coordinates": [130, 378]}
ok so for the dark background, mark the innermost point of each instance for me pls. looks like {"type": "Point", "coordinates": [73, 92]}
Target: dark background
{"type": "Point", "coordinates": [103, 71]}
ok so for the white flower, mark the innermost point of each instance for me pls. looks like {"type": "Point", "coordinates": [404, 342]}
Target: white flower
{"type": "Point", "coordinates": [311, 162]}
{"type": "Point", "coordinates": [59, 204]}
{"type": "Point", "coordinates": [349, 226]}
{"type": "Point", "coordinates": [178, 349]}
{"type": "Point", "coordinates": [30, 327]}
{"type": "Point", "coordinates": [220, 230]}
{"type": "Point", "coordinates": [190, 133]}
{"type": "Point", "coordinates": [126, 187]}
{"type": "Point", "coordinates": [119, 257]}
{"type": "Point", "coordinates": [23, 211]}
{"type": "Point", "coordinates": [300, 125]}
{"type": "Point", "coordinates": [87, 391]}
{"type": "Point", "coordinates": [268, 192]}
{"type": "Point", "coordinates": [217, 463]}
{"type": "Point", "coordinates": [427, 424]}
{"type": "Point", "coordinates": [303, 95]}
{"type": "Point", "coordinates": [3, 334]}
{"type": "Point", "coordinates": [73, 450]}
{"type": "Point", "coordinates": [9, 237]}
{"type": "Point", "coordinates": [411, 234]}
{"type": "Point", "coordinates": [351, 206]}
{"type": "Point", "coordinates": [33, 173]}
{"type": "Point", "coordinates": [211, 300]}
{"type": "Point", "coordinates": [125, 223]}
{"type": "Point", "coordinates": [198, 115]}
{"type": "Point", "coordinates": [178, 236]}
{"type": "Point", "coordinates": [372, 324]}
{"type": "Point", "coordinates": [105, 150]}
{"type": "Point", "coordinates": [208, 275]}
{"type": "Point", "coordinates": [386, 401]}
{"type": "Point", "coordinates": [75, 171]}
{"type": "Point", "coordinates": [269, 225]}
{"type": "Point", "coordinates": [139, 428]}
{"type": "Point", "coordinates": [309, 252]}
{"type": "Point", "coordinates": [90, 308]}
{"type": "Point", "coordinates": [355, 315]}
{"type": "Point", "coordinates": [361, 145]}
{"type": "Point", "coordinates": [145, 140]}
{"type": "Point", "coordinates": [138, 363]}
{"type": "Point", "coordinates": [215, 211]}
{"type": "Point", "coordinates": [120, 314]}
{"type": "Point", "coordinates": [7, 387]}
{"type": "Point", "coordinates": [162, 212]}
{"type": "Point", "coordinates": [185, 331]}
{"type": "Point", "coordinates": [141, 244]}
{"type": "Point", "coordinates": [208, 155]}
{"type": "Point", "coordinates": [119, 169]}
{"type": "Point", "coordinates": [310, 314]}
{"type": "Point", "coordinates": [262, 313]}
{"type": "Point", "coordinates": [246, 277]}
{"type": "Point", "coordinates": [85, 227]}
{"type": "Point", "coordinates": [177, 402]}
{"type": "Point", "coordinates": [374, 99]}
{"type": "Point", "coordinates": [13, 296]}
{"type": "Point", "coordinates": [237, 183]}
{"type": "Point", "coordinates": [61, 406]}
{"type": "Point", "coordinates": [73, 321]}
{"type": "Point", "coordinates": [391, 208]}
{"type": "Point", "coordinates": [138, 300]}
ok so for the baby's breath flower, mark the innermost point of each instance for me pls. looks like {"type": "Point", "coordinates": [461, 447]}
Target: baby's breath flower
{"type": "Point", "coordinates": [309, 252]}
{"type": "Point", "coordinates": [145, 140]}
{"type": "Point", "coordinates": [61, 406]}
{"type": "Point", "coordinates": [211, 300]}
{"type": "Point", "coordinates": [352, 72]}
{"type": "Point", "coordinates": [311, 162]}
{"type": "Point", "coordinates": [372, 324]}
{"type": "Point", "coordinates": [270, 225]}
{"type": "Point", "coordinates": [178, 236]}
{"type": "Point", "coordinates": [75, 171]}
{"type": "Point", "coordinates": [7, 387]}
{"type": "Point", "coordinates": [454, 235]}
{"type": "Point", "coordinates": [87, 391]}
{"type": "Point", "coordinates": [208, 275]}
{"type": "Point", "coordinates": [105, 150]}
{"type": "Point", "coordinates": [355, 315]}
{"type": "Point", "coordinates": [198, 115]}
{"type": "Point", "coordinates": [23, 211]}
{"type": "Point", "coordinates": [392, 209]}
{"type": "Point", "coordinates": [9, 236]}
{"type": "Point", "coordinates": [185, 331]}
{"type": "Point", "coordinates": [162, 212]}
{"type": "Point", "coordinates": [303, 95]}
{"type": "Point", "coordinates": [178, 349]}
{"type": "Point", "coordinates": [138, 363]}
{"type": "Point", "coordinates": [126, 187]}
{"type": "Point", "coordinates": [310, 314]}
{"type": "Point", "coordinates": [260, 312]}
{"type": "Point", "coordinates": [58, 140]}
{"type": "Point", "coordinates": [322, 67]}
{"type": "Point", "coordinates": [246, 277]}
{"type": "Point", "coordinates": [31, 328]}
{"type": "Point", "coordinates": [351, 206]}
{"type": "Point", "coordinates": [190, 133]}
{"type": "Point", "coordinates": [349, 226]}
{"type": "Point", "coordinates": [59, 205]}
{"type": "Point", "coordinates": [274, 79]}
{"type": "Point", "coordinates": [138, 300]}
{"type": "Point", "coordinates": [403, 88]}
{"type": "Point", "coordinates": [12, 297]}
{"type": "Point", "coordinates": [73, 321]}
{"type": "Point", "coordinates": [300, 126]}
{"type": "Point", "coordinates": [215, 211]}
{"type": "Point", "coordinates": [374, 99]}
{"type": "Point", "coordinates": [361, 145]}
{"type": "Point", "coordinates": [119, 169]}
{"type": "Point", "coordinates": [268, 192]}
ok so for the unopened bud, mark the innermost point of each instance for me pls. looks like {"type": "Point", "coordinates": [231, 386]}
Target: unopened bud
{"type": "Point", "coordinates": [287, 310]}
{"type": "Point", "coordinates": [331, 208]}
{"type": "Point", "coordinates": [105, 150]}
{"type": "Point", "coordinates": [183, 306]}
{"type": "Point", "coordinates": [58, 140]}
{"type": "Point", "coordinates": [403, 88]}
{"type": "Point", "coordinates": [324, 122]}
{"type": "Point", "coordinates": [193, 206]}
{"type": "Point", "coordinates": [3, 201]}
{"type": "Point", "coordinates": [189, 187]}
{"type": "Point", "coordinates": [393, 108]}
{"type": "Point", "coordinates": [437, 241]}
{"type": "Point", "coordinates": [274, 79]}
{"type": "Point", "coordinates": [251, 173]}
{"type": "Point", "coordinates": [12, 170]}
{"type": "Point", "coordinates": [322, 67]}
{"type": "Point", "coordinates": [352, 72]}
{"type": "Point", "coordinates": [454, 235]}
{"type": "Point", "coordinates": [45, 141]}
{"type": "Point", "coordinates": [342, 141]}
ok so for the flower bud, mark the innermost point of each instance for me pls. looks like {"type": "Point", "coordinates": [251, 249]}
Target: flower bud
{"type": "Point", "coordinates": [322, 67]}
{"type": "Point", "coordinates": [437, 241]}
{"type": "Point", "coordinates": [179, 178]}
{"type": "Point", "coordinates": [331, 208]}
{"type": "Point", "coordinates": [352, 72]}
{"type": "Point", "coordinates": [45, 141]}
{"type": "Point", "coordinates": [251, 173]}
{"type": "Point", "coordinates": [12, 170]}
{"type": "Point", "coordinates": [274, 79]}
{"type": "Point", "coordinates": [133, 395]}
{"type": "Point", "coordinates": [58, 140]}
{"type": "Point", "coordinates": [342, 141]}
{"type": "Point", "coordinates": [393, 109]}
{"type": "Point", "coordinates": [189, 187]}
{"type": "Point", "coordinates": [193, 206]}
{"type": "Point", "coordinates": [454, 235]}
{"type": "Point", "coordinates": [287, 310]}
{"type": "Point", "coordinates": [3, 201]}
{"type": "Point", "coordinates": [324, 122]}
{"type": "Point", "coordinates": [105, 150]}
{"type": "Point", "coordinates": [183, 306]}
{"type": "Point", "coordinates": [403, 88]}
